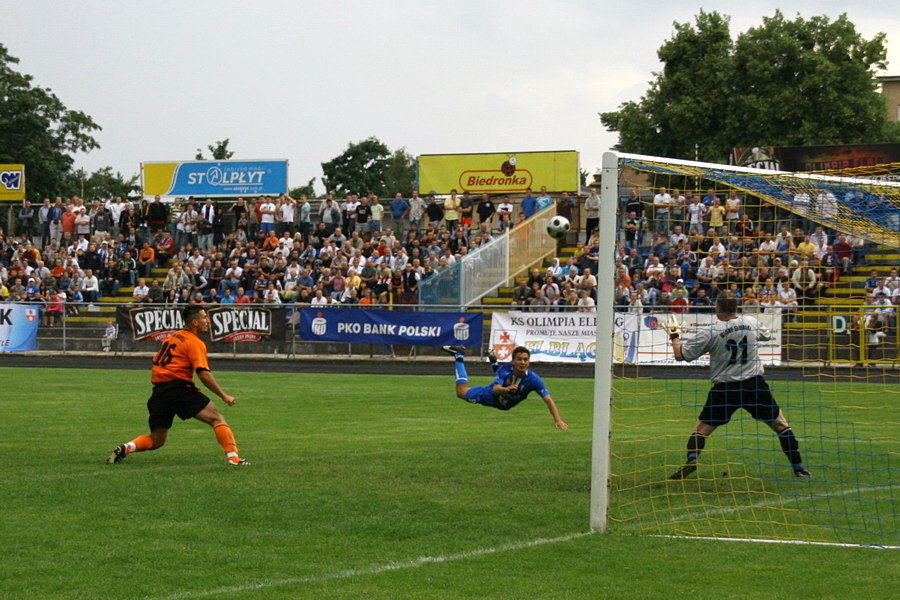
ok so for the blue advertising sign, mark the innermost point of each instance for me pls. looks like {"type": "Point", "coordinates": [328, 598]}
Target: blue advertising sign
{"type": "Point", "coordinates": [18, 327]}
{"type": "Point", "coordinates": [378, 326]}
{"type": "Point", "coordinates": [216, 178]}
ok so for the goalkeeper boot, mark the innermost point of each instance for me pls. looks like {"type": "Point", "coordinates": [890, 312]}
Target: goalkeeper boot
{"type": "Point", "coordinates": [239, 463]}
{"type": "Point", "coordinates": [684, 470]}
{"type": "Point", "coordinates": [456, 351]}
{"type": "Point", "coordinates": [117, 456]}
{"type": "Point", "coordinates": [801, 472]}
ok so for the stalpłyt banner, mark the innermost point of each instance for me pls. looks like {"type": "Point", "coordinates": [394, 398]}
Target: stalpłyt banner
{"type": "Point", "coordinates": [215, 178]}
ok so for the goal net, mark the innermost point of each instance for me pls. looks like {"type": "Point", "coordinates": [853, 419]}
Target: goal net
{"type": "Point", "coordinates": [810, 258]}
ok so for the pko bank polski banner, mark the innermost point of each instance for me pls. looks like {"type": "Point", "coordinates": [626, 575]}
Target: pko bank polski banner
{"type": "Point", "coordinates": [378, 326]}
{"type": "Point", "coordinates": [210, 179]}
{"type": "Point", "coordinates": [18, 327]}
{"type": "Point", "coordinates": [637, 338]}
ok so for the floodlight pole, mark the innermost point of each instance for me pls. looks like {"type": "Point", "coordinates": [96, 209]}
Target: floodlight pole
{"type": "Point", "coordinates": [609, 198]}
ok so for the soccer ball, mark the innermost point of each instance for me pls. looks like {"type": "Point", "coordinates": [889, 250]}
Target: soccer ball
{"type": "Point", "coordinates": [558, 227]}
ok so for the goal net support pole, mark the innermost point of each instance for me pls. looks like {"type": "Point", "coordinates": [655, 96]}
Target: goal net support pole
{"type": "Point", "coordinates": [609, 198]}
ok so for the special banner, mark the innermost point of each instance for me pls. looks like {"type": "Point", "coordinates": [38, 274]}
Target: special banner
{"type": "Point", "coordinates": [12, 182]}
{"type": "Point", "coordinates": [18, 327]}
{"type": "Point", "coordinates": [502, 173]}
{"type": "Point", "coordinates": [637, 338]}
{"type": "Point", "coordinates": [226, 323]}
{"type": "Point", "coordinates": [378, 326]}
{"type": "Point", "coordinates": [210, 179]}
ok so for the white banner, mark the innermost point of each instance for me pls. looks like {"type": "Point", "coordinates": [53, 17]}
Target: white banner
{"type": "Point", "coordinates": [638, 338]}
{"type": "Point", "coordinates": [18, 327]}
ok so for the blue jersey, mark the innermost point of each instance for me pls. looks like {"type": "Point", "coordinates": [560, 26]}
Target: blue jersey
{"type": "Point", "coordinates": [484, 394]}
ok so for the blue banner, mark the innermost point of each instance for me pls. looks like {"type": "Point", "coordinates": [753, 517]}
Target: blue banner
{"type": "Point", "coordinates": [216, 178]}
{"type": "Point", "coordinates": [18, 327]}
{"type": "Point", "coordinates": [378, 326]}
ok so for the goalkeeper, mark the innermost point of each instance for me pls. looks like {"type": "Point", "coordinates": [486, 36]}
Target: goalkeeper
{"type": "Point", "coordinates": [737, 376]}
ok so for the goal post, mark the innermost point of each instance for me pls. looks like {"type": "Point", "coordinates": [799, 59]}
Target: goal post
{"type": "Point", "coordinates": [609, 198]}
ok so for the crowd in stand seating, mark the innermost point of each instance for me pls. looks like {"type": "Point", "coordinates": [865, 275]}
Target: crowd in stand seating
{"type": "Point", "coordinates": [265, 250]}
{"type": "Point", "coordinates": [677, 253]}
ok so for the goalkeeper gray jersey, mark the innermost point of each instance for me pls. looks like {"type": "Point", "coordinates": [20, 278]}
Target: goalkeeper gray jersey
{"type": "Point", "coordinates": [733, 347]}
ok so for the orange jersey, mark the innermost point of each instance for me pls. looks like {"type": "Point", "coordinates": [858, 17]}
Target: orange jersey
{"type": "Point", "coordinates": [179, 357]}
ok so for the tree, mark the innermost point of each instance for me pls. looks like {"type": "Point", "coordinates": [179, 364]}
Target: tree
{"type": "Point", "coordinates": [400, 174]}
{"type": "Point", "coordinates": [359, 169]}
{"type": "Point", "coordinates": [800, 82]}
{"type": "Point", "coordinates": [304, 190]}
{"type": "Point", "coordinates": [103, 183]}
{"type": "Point", "coordinates": [38, 130]}
{"type": "Point", "coordinates": [218, 150]}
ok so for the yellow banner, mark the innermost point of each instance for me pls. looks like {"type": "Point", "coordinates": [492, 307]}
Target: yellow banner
{"type": "Point", "coordinates": [501, 173]}
{"type": "Point", "coordinates": [159, 178]}
{"type": "Point", "coordinates": [12, 182]}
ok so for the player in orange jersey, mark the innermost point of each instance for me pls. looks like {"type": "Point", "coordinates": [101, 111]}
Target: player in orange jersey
{"type": "Point", "coordinates": [174, 392]}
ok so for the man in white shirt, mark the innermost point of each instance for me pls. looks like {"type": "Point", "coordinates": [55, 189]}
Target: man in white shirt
{"type": "Point", "coordinates": [267, 216]}
{"type": "Point", "coordinates": [662, 202]}
{"type": "Point", "coordinates": [141, 292]}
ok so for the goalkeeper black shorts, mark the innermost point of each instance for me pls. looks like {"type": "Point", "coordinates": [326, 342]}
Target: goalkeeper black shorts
{"type": "Point", "coordinates": [753, 395]}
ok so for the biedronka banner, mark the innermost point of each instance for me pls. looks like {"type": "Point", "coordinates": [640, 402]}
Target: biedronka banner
{"type": "Point", "coordinates": [638, 338]}
{"type": "Point", "coordinates": [506, 173]}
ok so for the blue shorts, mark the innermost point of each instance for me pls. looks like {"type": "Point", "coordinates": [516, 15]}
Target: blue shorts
{"type": "Point", "coordinates": [484, 395]}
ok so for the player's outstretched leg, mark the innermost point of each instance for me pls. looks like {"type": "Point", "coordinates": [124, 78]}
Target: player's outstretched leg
{"type": "Point", "coordinates": [695, 445]}
{"type": "Point", "coordinates": [141, 443]}
{"type": "Point", "coordinates": [462, 377]}
{"type": "Point", "coordinates": [791, 449]}
{"type": "Point", "coordinates": [492, 359]}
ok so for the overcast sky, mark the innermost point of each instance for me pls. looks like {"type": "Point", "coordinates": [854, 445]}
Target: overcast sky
{"type": "Point", "coordinates": [301, 79]}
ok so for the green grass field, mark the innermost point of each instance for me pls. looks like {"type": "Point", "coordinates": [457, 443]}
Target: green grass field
{"type": "Point", "coordinates": [361, 487]}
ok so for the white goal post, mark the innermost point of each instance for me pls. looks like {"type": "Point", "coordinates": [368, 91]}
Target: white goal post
{"type": "Point", "coordinates": [609, 198]}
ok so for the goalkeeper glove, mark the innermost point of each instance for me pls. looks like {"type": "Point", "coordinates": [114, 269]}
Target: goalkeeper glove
{"type": "Point", "coordinates": [673, 328]}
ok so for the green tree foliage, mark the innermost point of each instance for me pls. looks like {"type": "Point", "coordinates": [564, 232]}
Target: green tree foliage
{"type": "Point", "coordinates": [307, 190]}
{"type": "Point", "coordinates": [359, 169]}
{"type": "Point", "coordinates": [38, 130]}
{"type": "Point", "coordinates": [400, 174]}
{"type": "Point", "coordinates": [217, 150]}
{"type": "Point", "coordinates": [784, 83]}
{"type": "Point", "coordinates": [103, 183]}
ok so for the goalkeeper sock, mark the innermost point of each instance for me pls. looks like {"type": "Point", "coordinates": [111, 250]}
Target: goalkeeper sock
{"type": "Point", "coordinates": [461, 375]}
{"type": "Point", "coordinates": [695, 445]}
{"type": "Point", "coordinates": [790, 447]}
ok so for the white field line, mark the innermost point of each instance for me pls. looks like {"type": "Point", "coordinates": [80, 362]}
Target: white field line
{"type": "Point", "coordinates": [371, 570]}
{"type": "Point", "coordinates": [767, 541]}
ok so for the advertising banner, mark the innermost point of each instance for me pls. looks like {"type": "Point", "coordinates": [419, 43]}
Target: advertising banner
{"type": "Point", "coordinates": [377, 326]}
{"type": "Point", "coordinates": [502, 173]}
{"type": "Point", "coordinates": [210, 179]}
{"type": "Point", "coordinates": [18, 327]}
{"type": "Point", "coordinates": [12, 182]}
{"type": "Point", "coordinates": [815, 158]}
{"type": "Point", "coordinates": [226, 323]}
{"type": "Point", "coordinates": [637, 339]}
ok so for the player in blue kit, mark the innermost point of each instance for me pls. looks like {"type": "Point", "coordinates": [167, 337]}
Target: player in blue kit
{"type": "Point", "coordinates": [512, 383]}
